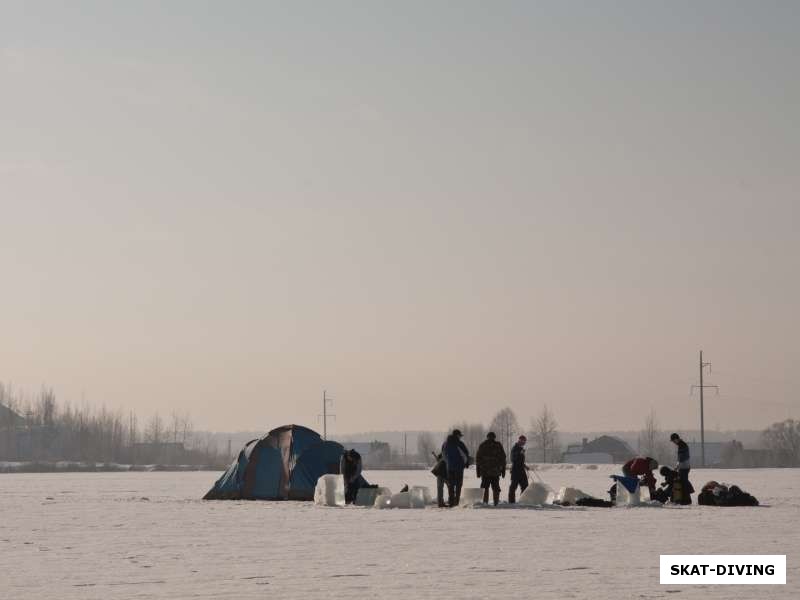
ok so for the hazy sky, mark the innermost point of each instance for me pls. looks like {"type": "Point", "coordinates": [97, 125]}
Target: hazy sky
{"type": "Point", "coordinates": [431, 209]}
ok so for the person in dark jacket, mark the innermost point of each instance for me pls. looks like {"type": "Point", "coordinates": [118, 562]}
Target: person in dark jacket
{"type": "Point", "coordinates": [456, 457]}
{"type": "Point", "coordinates": [519, 470]}
{"type": "Point", "coordinates": [681, 487]}
{"type": "Point", "coordinates": [350, 468]}
{"type": "Point", "coordinates": [642, 468]}
{"type": "Point", "coordinates": [490, 466]}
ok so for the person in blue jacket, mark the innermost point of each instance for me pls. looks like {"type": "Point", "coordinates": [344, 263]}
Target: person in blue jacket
{"type": "Point", "coordinates": [456, 457]}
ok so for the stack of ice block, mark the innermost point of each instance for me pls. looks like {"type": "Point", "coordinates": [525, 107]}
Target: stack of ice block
{"type": "Point", "coordinates": [535, 494]}
{"type": "Point", "coordinates": [329, 491]}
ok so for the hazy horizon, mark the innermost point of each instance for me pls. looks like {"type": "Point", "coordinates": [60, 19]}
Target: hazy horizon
{"type": "Point", "coordinates": [431, 210]}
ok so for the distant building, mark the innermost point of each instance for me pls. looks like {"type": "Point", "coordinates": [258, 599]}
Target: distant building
{"type": "Point", "coordinates": [13, 446]}
{"type": "Point", "coordinates": [714, 452]}
{"type": "Point", "coordinates": [735, 455]}
{"type": "Point", "coordinates": [605, 449]}
{"type": "Point", "coordinates": [9, 418]}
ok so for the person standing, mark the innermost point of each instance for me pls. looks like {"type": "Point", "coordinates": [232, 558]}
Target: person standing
{"type": "Point", "coordinates": [490, 466]}
{"type": "Point", "coordinates": [519, 470]}
{"type": "Point", "coordinates": [681, 490]}
{"type": "Point", "coordinates": [456, 457]}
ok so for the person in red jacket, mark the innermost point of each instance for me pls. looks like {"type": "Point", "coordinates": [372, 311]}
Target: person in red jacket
{"type": "Point", "coordinates": [642, 467]}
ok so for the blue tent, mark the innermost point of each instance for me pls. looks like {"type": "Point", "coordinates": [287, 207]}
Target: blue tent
{"type": "Point", "coordinates": [283, 465]}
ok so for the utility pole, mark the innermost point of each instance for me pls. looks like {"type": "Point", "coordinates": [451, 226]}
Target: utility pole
{"type": "Point", "coordinates": [703, 365]}
{"type": "Point", "coordinates": [325, 414]}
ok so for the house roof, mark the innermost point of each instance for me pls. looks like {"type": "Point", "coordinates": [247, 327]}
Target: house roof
{"type": "Point", "coordinates": [610, 445]}
{"type": "Point", "coordinates": [9, 417]}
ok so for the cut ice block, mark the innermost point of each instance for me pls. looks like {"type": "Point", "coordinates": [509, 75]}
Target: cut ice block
{"type": "Point", "coordinates": [570, 495]}
{"type": "Point", "coordinates": [471, 496]}
{"type": "Point", "coordinates": [401, 500]}
{"type": "Point", "coordinates": [535, 494]}
{"type": "Point", "coordinates": [383, 501]}
{"type": "Point", "coordinates": [329, 491]}
{"type": "Point", "coordinates": [644, 494]}
{"type": "Point", "coordinates": [367, 496]}
{"type": "Point", "coordinates": [626, 498]}
{"type": "Point", "coordinates": [420, 496]}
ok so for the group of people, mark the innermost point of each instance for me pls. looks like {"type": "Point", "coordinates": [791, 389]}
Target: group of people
{"type": "Point", "coordinates": [490, 466]}
{"type": "Point", "coordinates": [676, 486]}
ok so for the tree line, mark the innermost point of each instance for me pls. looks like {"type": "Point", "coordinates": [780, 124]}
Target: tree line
{"type": "Point", "coordinates": [36, 427]}
{"type": "Point", "coordinates": [780, 446]}
{"type": "Point", "coordinates": [543, 442]}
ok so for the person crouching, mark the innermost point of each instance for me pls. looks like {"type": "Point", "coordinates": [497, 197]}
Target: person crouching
{"type": "Point", "coordinates": [350, 468]}
{"type": "Point", "coordinates": [642, 468]}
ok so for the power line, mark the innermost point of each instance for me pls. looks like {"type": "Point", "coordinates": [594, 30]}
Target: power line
{"type": "Point", "coordinates": [325, 416]}
{"type": "Point", "coordinates": [701, 387]}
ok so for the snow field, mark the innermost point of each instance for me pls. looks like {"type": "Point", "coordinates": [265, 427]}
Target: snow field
{"type": "Point", "coordinates": [147, 535]}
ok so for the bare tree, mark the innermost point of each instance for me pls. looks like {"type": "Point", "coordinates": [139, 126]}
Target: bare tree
{"type": "Point", "coordinates": [426, 447]}
{"type": "Point", "coordinates": [186, 425]}
{"type": "Point", "coordinates": [506, 427]}
{"type": "Point", "coordinates": [783, 439]}
{"type": "Point", "coordinates": [545, 431]}
{"type": "Point", "coordinates": [47, 407]}
{"type": "Point", "coordinates": [174, 426]}
{"type": "Point", "coordinates": [653, 441]}
{"type": "Point", "coordinates": [133, 435]}
{"type": "Point", "coordinates": [154, 433]}
{"type": "Point", "coordinates": [85, 433]}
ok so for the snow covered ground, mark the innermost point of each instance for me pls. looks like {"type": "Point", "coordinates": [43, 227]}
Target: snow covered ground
{"type": "Point", "coordinates": [148, 535]}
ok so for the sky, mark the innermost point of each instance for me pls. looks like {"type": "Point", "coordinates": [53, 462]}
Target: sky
{"type": "Point", "coordinates": [430, 209]}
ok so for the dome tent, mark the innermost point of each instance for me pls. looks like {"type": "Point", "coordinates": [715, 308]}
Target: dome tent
{"type": "Point", "coordinates": [283, 465]}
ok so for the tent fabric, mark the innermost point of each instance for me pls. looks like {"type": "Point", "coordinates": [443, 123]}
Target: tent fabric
{"type": "Point", "coordinates": [283, 465]}
{"type": "Point", "coordinates": [318, 460]}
